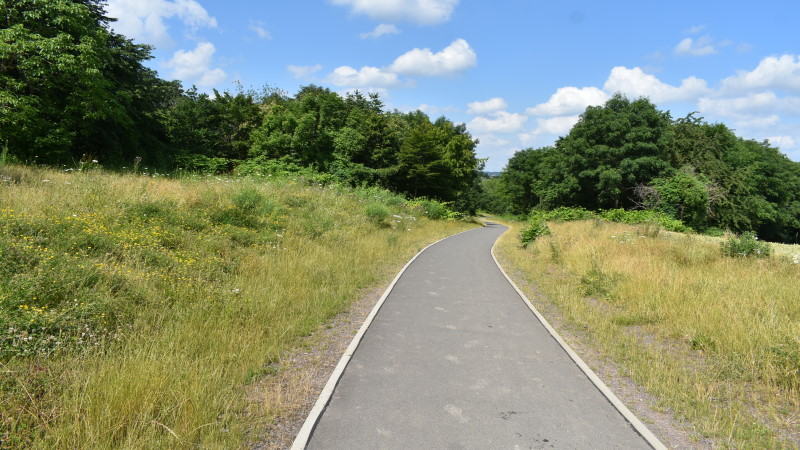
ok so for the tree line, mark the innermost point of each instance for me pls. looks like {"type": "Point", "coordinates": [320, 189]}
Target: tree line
{"type": "Point", "coordinates": [629, 154]}
{"type": "Point", "coordinates": [71, 89]}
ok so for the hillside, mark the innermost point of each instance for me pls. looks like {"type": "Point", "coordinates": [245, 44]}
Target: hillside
{"type": "Point", "coordinates": [136, 309]}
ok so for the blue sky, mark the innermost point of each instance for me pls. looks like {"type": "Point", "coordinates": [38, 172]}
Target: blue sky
{"type": "Point", "coordinates": [517, 72]}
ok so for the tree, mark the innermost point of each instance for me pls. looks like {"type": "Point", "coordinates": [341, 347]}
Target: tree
{"type": "Point", "coordinates": [684, 196]}
{"type": "Point", "coordinates": [70, 86]}
{"type": "Point", "coordinates": [614, 148]}
{"type": "Point", "coordinates": [518, 178]}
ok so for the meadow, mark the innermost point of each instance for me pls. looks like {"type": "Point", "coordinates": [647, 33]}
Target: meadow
{"type": "Point", "coordinates": [137, 309]}
{"type": "Point", "coordinates": [715, 339]}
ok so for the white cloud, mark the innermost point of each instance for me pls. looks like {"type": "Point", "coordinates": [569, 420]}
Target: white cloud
{"type": "Point", "coordinates": [700, 47]}
{"type": "Point", "coordinates": [695, 29]}
{"type": "Point", "coordinates": [489, 106]}
{"type": "Point", "coordinates": [422, 12]}
{"type": "Point", "coordinates": [771, 73]}
{"type": "Point", "coordinates": [259, 30]}
{"type": "Point", "coordinates": [498, 122]}
{"type": "Point", "coordinates": [194, 66]}
{"type": "Point", "coordinates": [569, 100]}
{"type": "Point", "coordinates": [434, 110]}
{"type": "Point", "coordinates": [635, 83]}
{"type": "Point", "coordinates": [756, 122]}
{"type": "Point", "coordinates": [455, 58]}
{"type": "Point", "coordinates": [750, 106]}
{"type": "Point", "coordinates": [143, 20]}
{"type": "Point", "coordinates": [557, 125]}
{"type": "Point", "coordinates": [365, 78]}
{"type": "Point", "coordinates": [782, 141]}
{"type": "Point", "coordinates": [490, 140]}
{"type": "Point", "coordinates": [549, 127]}
{"type": "Point", "coordinates": [302, 72]}
{"type": "Point", "coordinates": [380, 30]}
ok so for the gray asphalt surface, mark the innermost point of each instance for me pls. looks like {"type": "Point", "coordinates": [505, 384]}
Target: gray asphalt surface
{"type": "Point", "coordinates": [456, 360]}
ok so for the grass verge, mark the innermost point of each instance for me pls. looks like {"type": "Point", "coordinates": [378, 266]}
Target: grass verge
{"type": "Point", "coordinates": [716, 340]}
{"type": "Point", "coordinates": [136, 311]}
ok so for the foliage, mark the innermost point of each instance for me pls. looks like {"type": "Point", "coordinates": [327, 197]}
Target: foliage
{"type": "Point", "coordinates": [70, 89]}
{"type": "Point", "coordinates": [566, 214]}
{"type": "Point", "coordinates": [745, 245]}
{"type": "Point", "coordinates": [491, 196]}
{"type": "Point", "coordinates": [433, 209]}
{"type": "Point", "coordinates": [684, 196]}
{"type": "Point", "coordinates": [377, 214]}
{"type": "Point", "coordinates": [535, 228]}
{"type": "Point", "coordinates": [628, 154]}
{"type": "Point", "coordinates": [70, 86]}
{"type": "Point", "coordinates": [644, 216]}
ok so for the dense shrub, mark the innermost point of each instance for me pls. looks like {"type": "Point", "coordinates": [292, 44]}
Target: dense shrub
{"type": "Point", "coordinates": [567, 214]}
{"type": "Point", "coordinates": [378, 214]}
{"type": "Point", "coordinates": [536, 227]}
{"type": "Point", "coordinates": [745, 245]}
{"type": "Point", "coordinates": [644, 216]}
{"type": "Point", "coordinates": [432, 209]}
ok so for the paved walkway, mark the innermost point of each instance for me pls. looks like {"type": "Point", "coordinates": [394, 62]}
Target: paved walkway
{"type": "Point", "coordinates": [455, 359]}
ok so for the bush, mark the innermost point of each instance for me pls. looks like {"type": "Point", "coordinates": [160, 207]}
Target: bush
{"type": "Point", "coordinates": [567, 214]}
{"type": "Point", "coordinates": [745, 245]}
{"type": "Point", "coordinates": [203, 164]}
{"type": "Point", "coordinates": [643, 216]}
{"type": "Point", "coordinates": [714, 231]}
{"type": "Point", "coordinates": [284, 167]}
{"type": "Point", "coordinates": [536, 227]}
{"type": "Point", "coordinates": [249, 210]}
{"type": "Point", "coordinates": [378, 214]}
{"type": "Point", "coordinates": [433, 209]}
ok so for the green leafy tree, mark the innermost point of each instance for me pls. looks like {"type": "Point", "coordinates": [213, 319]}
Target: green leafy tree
{"type": "Point", "coordinates": [518, 178]}
{"type": "Point", "coordinates": [684, 196]}
{"type": "Point", "coordinates": [614, 148]}
{"type": "Point", "coordinates": [69, 86]}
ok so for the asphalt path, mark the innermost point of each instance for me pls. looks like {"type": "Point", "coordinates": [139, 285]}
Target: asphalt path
{"type": "Point", "coordinates": [455, 359]}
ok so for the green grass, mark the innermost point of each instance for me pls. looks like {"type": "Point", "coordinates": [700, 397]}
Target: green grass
{"type": "Point", "coordinates": [136, 310]}
{"type": "Point", "coordinates": [715, 339]}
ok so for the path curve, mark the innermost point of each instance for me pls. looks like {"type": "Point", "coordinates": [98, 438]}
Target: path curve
{"type": "Point", "coordinates": [455, 358]}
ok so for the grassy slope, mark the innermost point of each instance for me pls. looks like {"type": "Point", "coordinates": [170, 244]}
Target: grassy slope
{"type": "Point", "coordinates": [135, 310]}
{"type": "Point", "coordinates": [716, 339]}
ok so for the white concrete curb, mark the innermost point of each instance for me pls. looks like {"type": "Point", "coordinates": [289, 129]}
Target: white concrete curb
{"type": "Point", "coordinates": [629, 416]}
{"type": "Point", "coordinates": [301, 441]}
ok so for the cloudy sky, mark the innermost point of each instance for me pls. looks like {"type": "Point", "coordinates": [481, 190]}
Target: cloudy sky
{"type": "Point", "coordinates": [517, 72]}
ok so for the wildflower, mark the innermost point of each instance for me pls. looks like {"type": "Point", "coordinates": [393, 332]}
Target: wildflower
{"type": "Point", "coordinates": [45, 181]}
{"type": "Point", "coordinates": [236, 290]}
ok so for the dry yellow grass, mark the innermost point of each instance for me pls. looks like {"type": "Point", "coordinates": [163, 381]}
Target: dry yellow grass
{"type": "Point", "coordinates": [716, 339]}
{"type": "Point", "coordinates": [204, 305]}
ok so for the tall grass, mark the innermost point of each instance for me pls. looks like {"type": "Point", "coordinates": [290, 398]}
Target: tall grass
{"type": "Point", "coordinates": [715, 338]}
{"type": "Point", "coordinates": [136, 310]}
